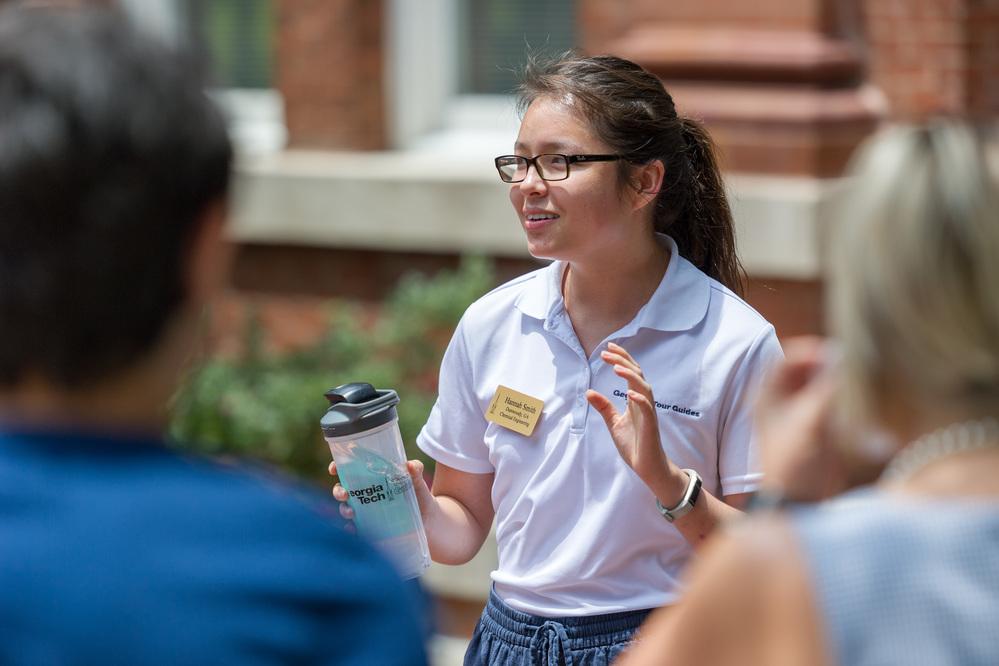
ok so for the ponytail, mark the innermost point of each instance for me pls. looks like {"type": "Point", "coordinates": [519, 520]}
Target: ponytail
{"type": "Point", "coordinates": [693, 209]}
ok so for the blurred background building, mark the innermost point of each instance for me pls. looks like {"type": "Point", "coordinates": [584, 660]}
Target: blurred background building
{"type": "Point", "coordinates": [367, 128]}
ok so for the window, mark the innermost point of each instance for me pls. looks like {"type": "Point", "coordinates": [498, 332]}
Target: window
{"type": "Point", "coordinates": [238, 38]}
{"type": "Point", "coordinates": [452, 65]}
{"type": "Point", "coordinates": [495, 36]}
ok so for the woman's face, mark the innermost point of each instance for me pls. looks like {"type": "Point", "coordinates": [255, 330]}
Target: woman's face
{"type": "Point", "coordinates": [582, 216]}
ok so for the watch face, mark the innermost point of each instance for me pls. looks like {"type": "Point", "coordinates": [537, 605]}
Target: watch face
{"type": "Point", "coordinates": [696, 492]}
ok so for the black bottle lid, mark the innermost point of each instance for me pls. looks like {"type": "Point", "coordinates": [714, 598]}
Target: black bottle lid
{"type": "Point", "coordinates": [357, 407]}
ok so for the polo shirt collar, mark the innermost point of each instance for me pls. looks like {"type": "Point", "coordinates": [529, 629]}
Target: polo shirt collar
{"type": "Point", "coordinates": [543, 295]}
{"type": "Point", "coordinates": [679, 303]}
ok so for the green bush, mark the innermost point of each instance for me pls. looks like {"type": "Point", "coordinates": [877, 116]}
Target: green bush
{"type": "Point", "coordinates": [269, 406]}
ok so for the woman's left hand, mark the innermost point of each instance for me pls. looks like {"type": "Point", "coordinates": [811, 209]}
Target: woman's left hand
{"type": "Point", "coordinates": [635, 431]}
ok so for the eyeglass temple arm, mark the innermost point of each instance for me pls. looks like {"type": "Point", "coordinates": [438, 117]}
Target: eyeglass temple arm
{"type": "Point", "coordinates": [572, 159]}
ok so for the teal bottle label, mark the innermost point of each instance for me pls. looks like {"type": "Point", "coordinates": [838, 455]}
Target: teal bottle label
{"type": "Point", "coordinates": [377, 490]}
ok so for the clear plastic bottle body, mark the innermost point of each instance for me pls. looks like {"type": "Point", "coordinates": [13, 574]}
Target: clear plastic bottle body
{"type": "Point", "coordinates": [372, 468]}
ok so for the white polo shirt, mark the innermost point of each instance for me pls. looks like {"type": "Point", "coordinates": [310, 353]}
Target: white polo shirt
{"type": "Point", "coordinates": [578, 532]}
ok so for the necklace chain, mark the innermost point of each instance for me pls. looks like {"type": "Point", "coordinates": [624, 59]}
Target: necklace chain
{"type": "Point", "coordinates": [961, 437]}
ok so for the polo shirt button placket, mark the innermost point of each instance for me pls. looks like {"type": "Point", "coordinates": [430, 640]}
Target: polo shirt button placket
{"type": "Point", "coordinates": [579, 413]}
{"type": "Point", "coordinates": [562, 328]}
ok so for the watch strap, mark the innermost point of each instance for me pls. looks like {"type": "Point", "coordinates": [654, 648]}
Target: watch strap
{"type": "Point", "coordinates": [688, 501]}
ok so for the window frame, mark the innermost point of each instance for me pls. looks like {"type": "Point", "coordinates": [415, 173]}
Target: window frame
{"type": "Point", "coordinates": [426, 110]}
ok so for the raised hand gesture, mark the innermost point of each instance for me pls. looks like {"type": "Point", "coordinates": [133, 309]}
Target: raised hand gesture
{"type": "Point", "coordinates": [635, 431]}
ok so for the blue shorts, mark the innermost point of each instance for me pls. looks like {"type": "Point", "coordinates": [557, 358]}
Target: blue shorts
{"type": "Point", "coordinates": [505, 636]}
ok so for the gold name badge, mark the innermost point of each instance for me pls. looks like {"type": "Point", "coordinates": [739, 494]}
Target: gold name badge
{"type": "Point", "coordinates": [514, 410]}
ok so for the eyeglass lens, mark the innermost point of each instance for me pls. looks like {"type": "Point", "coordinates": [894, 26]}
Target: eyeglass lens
{"type": "Point", "coordinates": [513, 168]}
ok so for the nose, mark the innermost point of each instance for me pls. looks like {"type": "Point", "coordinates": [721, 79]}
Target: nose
{"type": "Point", "coordinates": [532, 183]}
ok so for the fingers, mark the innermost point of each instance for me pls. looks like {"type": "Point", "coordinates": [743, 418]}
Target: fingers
{"type": "Point", "coordinates": [603, 406]}
{"type": "Point", "coordinates": [413, 467]}
{"type": "Point", "coordinates": [341, 495]}
{"type": "Point", "coordinates": [626, 367]}
{"type": "Point", "coordinates": [806, 360]}
{"type": "Point", "coordinates": [643, 403]}
{"type": "Point", "coordinates": [648, 435]}
{"type": "Point", "coordinates": [648, 424]}
{"type": "Point", "coordinates": [424, 498]}
{"type": "Point", "coordinates": [793, 416]}
{"type": "Point", "coordinates": [803, 358]}
{"type": "Point", "coordinates": [415, 470]}
{"type": "Point", "coordinates": [617, 355]}
{"type": "Point", "coordinates": [819, 396]}
{"type": "Point", "coordinates": [635, 380]}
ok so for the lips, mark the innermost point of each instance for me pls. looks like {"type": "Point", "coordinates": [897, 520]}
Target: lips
{"type": "Point", "coordinates": [537, 219]}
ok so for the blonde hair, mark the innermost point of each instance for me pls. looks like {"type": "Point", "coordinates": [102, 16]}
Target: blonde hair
{"type": "Point", "coordinates": [915, 290]}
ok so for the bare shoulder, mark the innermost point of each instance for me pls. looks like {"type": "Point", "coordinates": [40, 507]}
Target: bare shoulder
{"type": "Point", "coordinates": [748, 601]}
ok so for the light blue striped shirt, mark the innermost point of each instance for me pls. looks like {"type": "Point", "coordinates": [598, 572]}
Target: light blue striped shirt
{"type": "Point", "coordinates": [905, 580]}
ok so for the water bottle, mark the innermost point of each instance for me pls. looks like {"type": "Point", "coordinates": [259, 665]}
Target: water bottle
{"type": "Point", "coordinates": [361, 427]}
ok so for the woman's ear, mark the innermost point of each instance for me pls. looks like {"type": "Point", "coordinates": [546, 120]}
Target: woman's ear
{"type": "Point", "coordinates": [648, 182]}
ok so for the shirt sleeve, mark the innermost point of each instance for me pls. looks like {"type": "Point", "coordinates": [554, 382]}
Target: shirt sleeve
{"type": "Point", "coordinates": [455, 432]}
{"type": "Point", "coordinates": [738, 456]}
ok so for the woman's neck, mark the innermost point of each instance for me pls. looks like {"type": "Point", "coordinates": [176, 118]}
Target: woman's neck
{"type": "Point", "coordinates": [604, 294]}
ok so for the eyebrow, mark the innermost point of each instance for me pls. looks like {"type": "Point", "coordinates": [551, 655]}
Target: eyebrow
{"type": "Point", "coordinates": [554, 147]}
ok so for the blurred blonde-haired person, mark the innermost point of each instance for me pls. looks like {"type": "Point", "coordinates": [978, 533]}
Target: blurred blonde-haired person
{"type": "Point", "coordinates": [904, 570]}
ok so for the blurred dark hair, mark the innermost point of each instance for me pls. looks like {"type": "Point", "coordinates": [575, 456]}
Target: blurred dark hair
{"type": "Point", "coordinates": [110, 152]}
{"type": "Point", "coordinates": [630, 110]}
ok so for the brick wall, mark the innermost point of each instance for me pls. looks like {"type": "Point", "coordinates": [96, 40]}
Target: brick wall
{"type": "Point", "coordinates": [982, 73]}
{"type": "Point", "coordinates": [935, 56]}
{"type": "Point", "coordinates": [779, 83]}
{"type": "Point", "coordinates": [329, 70]}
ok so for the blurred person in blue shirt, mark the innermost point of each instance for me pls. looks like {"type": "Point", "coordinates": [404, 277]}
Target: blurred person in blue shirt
{"type": "Point", "coordinates": [114, 171]}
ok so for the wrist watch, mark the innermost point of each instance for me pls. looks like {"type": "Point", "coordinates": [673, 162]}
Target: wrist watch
{"type": "Point", "coordinates": [686, 504]}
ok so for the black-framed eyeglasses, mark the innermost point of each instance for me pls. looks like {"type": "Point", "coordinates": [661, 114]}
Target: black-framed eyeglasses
{"type": "Point", "coordinates": [550, 166]}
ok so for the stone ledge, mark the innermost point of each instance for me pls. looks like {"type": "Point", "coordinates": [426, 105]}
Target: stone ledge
{"type": "Point", "coordinates": [725, 53]}
{"type": "Point", "coordinates": [436, 203]}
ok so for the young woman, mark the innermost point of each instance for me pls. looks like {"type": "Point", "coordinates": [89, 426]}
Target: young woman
{"type": "Point", "coordinates": [903, 571]}
{"type": "Point", "coordinates": [542, 414]}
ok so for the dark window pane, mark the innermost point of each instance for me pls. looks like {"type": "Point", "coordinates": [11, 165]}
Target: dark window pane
{"type": "Point", "coordinates": [238, 38]}
{"type": "Point", "coordinates": [495, 36]}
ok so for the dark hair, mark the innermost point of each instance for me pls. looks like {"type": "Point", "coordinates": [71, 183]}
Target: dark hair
{"type": "Point", "coordinates": [110, 153]}
{"type": "Point", "coordinates": [630, 110]}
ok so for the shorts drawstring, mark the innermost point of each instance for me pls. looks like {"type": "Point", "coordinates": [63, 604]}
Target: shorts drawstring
{"type": "Point", "coordinates": [548, 645]}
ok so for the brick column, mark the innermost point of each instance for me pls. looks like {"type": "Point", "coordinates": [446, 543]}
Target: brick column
{"type": "Point", "coordinates": [329, 69]}
{"type": "Point", "coordinates": [778, 82]}
{"type": "Point", "coordinates": [935, 56]}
